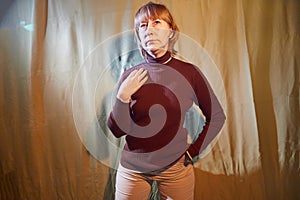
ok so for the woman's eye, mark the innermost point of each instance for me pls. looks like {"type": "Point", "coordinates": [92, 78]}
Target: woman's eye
{"type": "Point", "coordinates": [157, 22]}
{"type": "Point", "coordinates": [143, 25]}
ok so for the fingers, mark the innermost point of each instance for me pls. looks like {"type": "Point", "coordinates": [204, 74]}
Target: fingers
{"type": "Point", "coordinates": [139, 75]}
{"type": "Point", "coordinates": [131, 84]}
{"type": "Point", "coordinates": [144, 79]}
{"type": "Point", "coordinates": [136, 72]}
{"type": "Point", "coordinates": [142, 75]}
{"type": "Point", "coordinates": [133, 73]}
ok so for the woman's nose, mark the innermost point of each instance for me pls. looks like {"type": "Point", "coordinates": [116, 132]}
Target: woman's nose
{"type": "Point", "coordinates": [149, 28]}
{"type": "Point", "coordinates": [150, 24]}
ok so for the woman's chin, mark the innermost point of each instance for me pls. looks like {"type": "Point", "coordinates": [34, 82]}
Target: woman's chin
{"type": "Point", "coordinates": [151, 48]}
{"type": "Point", "coordinates": [154, 50]}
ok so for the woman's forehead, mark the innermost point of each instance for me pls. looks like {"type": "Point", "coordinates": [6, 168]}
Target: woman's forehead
{"type": "Point", "coordinates": [145, 15]}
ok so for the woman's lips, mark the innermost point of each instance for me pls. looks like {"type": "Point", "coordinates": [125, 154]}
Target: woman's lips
{"type": "Point", "coordinates": [151, 41]}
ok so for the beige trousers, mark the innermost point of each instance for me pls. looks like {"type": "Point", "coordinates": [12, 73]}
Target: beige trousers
{"type": "Point", "coordinates": [176, 183]}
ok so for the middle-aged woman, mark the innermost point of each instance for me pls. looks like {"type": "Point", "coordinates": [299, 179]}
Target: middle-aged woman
{"type": "Point", "coordinates": [150, 107]}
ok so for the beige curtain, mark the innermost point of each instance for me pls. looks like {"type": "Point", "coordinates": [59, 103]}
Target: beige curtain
{"type": "Point", "coordinates": [57, 82]}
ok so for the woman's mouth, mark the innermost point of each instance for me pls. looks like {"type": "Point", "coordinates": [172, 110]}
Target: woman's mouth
{"type": "Point", "coordinates": [151, 41]}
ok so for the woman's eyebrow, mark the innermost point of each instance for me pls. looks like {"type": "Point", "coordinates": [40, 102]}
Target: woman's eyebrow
{"type": "Point", "coordinates": [149, 18]}
{"type": "Point", "coordinates": [144, 21]}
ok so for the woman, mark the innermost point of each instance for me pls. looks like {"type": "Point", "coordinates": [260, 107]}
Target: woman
{"type": "Point", "coordinates": [150, 108]}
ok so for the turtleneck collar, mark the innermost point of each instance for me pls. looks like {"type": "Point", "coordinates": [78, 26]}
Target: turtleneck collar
{"type": "Point", "coordinates": [162, 60]}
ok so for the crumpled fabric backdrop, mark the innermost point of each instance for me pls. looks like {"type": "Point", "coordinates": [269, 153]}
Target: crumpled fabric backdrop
{"type": "Point", "coordinates": [254, 45]}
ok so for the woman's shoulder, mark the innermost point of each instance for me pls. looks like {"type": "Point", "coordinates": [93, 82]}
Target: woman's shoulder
{"type": "Point", "coordinates": [186, 65]}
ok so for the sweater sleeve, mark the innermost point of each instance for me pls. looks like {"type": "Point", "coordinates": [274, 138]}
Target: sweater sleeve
{"type": "Point", "coordinates": [119, 119]}
{"type": "Point", "coordinates": [212, 110]}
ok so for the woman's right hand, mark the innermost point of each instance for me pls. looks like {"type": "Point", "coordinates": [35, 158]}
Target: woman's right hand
{"type": "Point", "coordinates": [131, 84]}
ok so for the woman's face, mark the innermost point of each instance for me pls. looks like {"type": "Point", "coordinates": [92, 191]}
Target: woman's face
{"type": "Point", "coordinates": [154, 36]}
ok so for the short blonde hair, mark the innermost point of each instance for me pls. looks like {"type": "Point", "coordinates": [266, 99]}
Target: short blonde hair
{"type": "Point", "coordinates": [155, 11]}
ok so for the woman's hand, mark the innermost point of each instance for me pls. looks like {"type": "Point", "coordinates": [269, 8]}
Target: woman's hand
{"type": "Point", "coordinates": [131, 84]}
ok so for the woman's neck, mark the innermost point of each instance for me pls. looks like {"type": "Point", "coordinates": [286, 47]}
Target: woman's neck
{"type": "Point", "coordinates": [163, 59]}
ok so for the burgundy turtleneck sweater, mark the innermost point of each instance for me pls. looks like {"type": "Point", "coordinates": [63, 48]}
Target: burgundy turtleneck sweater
{"type": "Point", "coordinates": [153, 121]}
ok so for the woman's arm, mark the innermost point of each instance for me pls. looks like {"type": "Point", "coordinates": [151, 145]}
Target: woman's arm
{"type": "Point", "coordinates": [119, 121]}
{"type": "Point", "coordinates": [211, 109]}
